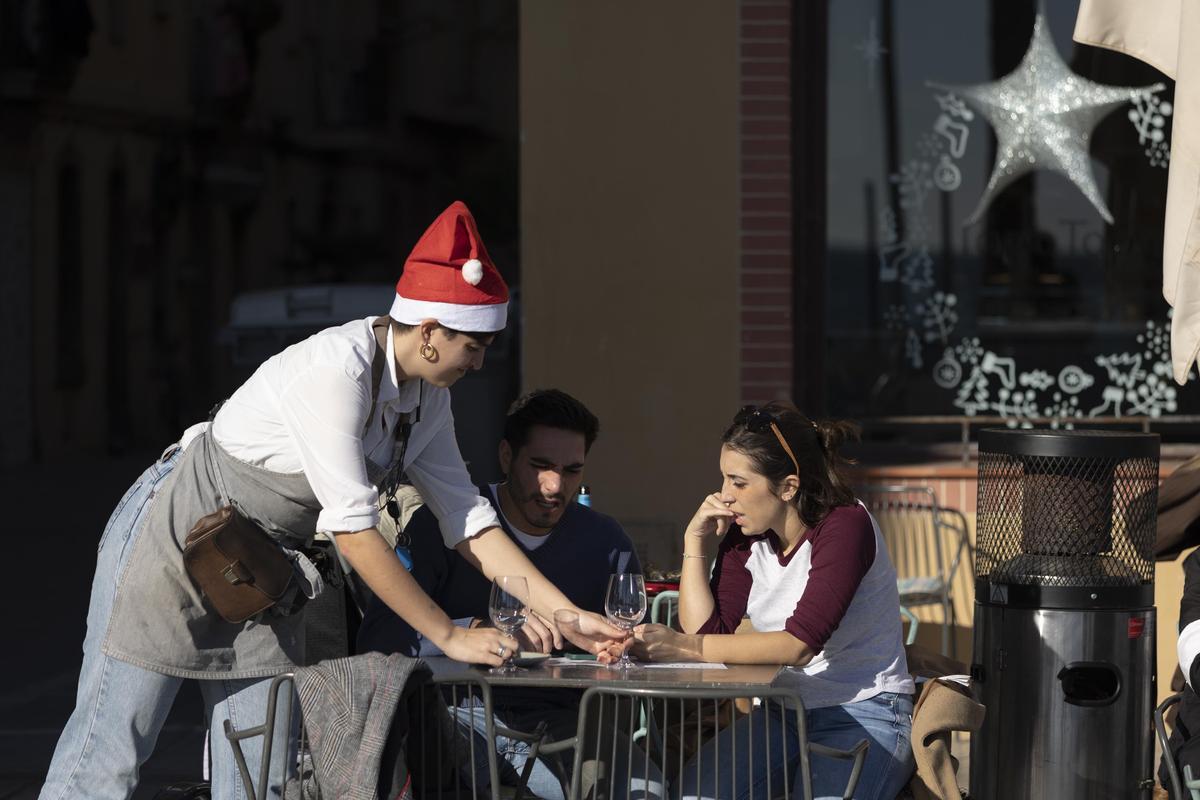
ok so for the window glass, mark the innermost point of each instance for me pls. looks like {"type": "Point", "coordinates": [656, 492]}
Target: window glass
{"type": "Point", "coordinates": [947, 295]}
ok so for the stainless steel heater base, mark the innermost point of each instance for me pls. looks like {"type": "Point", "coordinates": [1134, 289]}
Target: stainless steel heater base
{"type": "Point", "coordinates": [1069, 696]}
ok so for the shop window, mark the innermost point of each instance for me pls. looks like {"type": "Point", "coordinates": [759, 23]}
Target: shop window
{"type": "Point", "coordinates": [1037, 296]}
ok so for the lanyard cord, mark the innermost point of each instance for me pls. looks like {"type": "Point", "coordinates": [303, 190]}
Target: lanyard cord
{"type": "Point", "coordinates": [391, 481]}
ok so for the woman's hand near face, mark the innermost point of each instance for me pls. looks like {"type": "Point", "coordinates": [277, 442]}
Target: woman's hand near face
{"type": "Point", "coordinates": [712, 519]}
{"type": "Point", "coordinates": [479, 645]}
{"type": "Point", "coordinates": [710, 522]}
{"type": "Point", "coordinates": [652, 642]}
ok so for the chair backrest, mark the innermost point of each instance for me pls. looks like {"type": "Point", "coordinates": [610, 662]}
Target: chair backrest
{"type": "Point", "coordinates": [921, 539]}
{"type": "Point", "coordinates": [700, 740]}
{"type": "Point", "coordinates": [283, 690]}
{"type": "Point", "coordinates": [665, 607]}
{"type": "Point", "coordinates": [1160, 728]}
{"type": "Point", "coordinates": [956, 533]}
{"type": "Point", "coordinates": [913, 624]}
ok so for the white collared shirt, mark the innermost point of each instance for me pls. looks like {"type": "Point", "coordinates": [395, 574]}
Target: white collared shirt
{"type": "Point", "coordinates": [1188, 648]}
{"type": "Point", "coordinates": [303, 410]}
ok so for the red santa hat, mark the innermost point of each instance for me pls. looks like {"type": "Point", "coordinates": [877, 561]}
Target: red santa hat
{"type": "Point", "coordinates": [450, 277]}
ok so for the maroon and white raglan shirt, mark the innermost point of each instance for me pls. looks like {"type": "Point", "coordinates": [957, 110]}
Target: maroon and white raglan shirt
{"type": "Point", "coordinates": [836, 592]}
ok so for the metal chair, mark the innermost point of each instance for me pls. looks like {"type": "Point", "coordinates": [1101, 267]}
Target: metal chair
{"type": "Point", "coordinates": [470, 701]}
{"type": "Point", "coordinates": [437, 774]}
{"type": "Point", "coordinates": [913, 624]}
{"type": "Point", "coordinates": [665, 607]}
{"type": "Point", "coordinates": [1178, 783]}
{"type": "Point", "coordinates": [927, 543]}
{"type": "Point", "coordinates": [282, 688]}
{"type": "Point", "coordinates": [680, 722]}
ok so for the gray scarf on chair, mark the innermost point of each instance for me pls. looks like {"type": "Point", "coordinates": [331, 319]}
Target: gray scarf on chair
{"type": "Point", "coordinates": [349, 706]}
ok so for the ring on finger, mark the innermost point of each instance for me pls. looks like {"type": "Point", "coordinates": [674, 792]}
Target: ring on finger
{"type": "Point", "coordinates": [501, 650]}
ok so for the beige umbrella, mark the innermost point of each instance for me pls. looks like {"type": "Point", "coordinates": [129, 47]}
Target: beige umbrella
{"type": "Point", "coordinates": [1163, 33]}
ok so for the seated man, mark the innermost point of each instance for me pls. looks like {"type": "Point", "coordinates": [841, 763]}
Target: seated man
{"type": "Point", "coordinates": [547, 436]}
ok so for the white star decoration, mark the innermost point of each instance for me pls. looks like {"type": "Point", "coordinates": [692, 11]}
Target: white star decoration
{"type": "Point", "coordinates": [1043, 115]}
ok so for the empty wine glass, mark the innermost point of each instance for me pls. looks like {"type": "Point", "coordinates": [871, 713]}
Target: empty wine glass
{"type": "Point", "coordinates": [507, 608]}
{"type": "Point", "coordinates": [625, 605]}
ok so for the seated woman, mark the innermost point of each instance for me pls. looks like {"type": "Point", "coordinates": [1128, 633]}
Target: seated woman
{"type": "Point", "coordinates": [804, 560]}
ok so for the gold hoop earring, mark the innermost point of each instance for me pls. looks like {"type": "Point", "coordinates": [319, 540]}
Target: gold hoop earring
{"type": "Point", "coordinates": [429, 352]}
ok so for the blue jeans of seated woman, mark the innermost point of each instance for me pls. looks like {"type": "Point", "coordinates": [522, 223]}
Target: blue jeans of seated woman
{"type": "Point", "coordinates": [120, 708]}
{"type": "Point", "coordinates": [745, 766]}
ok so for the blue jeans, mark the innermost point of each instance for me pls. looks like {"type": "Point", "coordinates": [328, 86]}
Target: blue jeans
{"type": "Point", "coordinates": [120, 708]}
{"type": "Point", "coordinates": [544, 780]}
{"type": "Point", "coordinates": [735, 764]}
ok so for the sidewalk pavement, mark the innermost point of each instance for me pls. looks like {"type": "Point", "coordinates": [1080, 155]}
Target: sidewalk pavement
{"type": "Point", "coordinates": [55, 514]}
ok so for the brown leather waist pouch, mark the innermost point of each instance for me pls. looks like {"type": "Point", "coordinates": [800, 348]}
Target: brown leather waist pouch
{"type": "Point", "coordinates": [235, 564]}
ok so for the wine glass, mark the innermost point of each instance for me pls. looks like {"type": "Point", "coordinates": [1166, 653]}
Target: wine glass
{"type": "Point", "coordinates": [508, 611]}
{"type": "Point", "coordinates": [625, 605]}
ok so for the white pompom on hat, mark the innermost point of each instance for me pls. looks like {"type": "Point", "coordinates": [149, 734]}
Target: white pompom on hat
{"type": "Point", "coordinates": [473, 271]}
{"type": "Point", "coordinates": [450, 277]}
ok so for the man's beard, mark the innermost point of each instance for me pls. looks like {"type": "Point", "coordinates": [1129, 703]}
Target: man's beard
{"type": "Point", "coordinates": [527, 504]}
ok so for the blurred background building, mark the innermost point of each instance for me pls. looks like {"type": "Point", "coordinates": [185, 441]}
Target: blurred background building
{"type": "Point", "coordinates": [160, 160]}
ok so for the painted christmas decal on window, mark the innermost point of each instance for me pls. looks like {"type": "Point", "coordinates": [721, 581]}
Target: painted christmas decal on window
{"type": "Point", "coordinates": [1043, 116]}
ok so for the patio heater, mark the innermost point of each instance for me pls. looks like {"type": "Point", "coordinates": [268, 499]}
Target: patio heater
{"type": "Point", "coordinates": [1064, 614]}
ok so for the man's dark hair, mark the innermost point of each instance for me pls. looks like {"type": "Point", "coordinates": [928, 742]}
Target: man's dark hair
{"type": "Point", "coordinates": [553, 409]}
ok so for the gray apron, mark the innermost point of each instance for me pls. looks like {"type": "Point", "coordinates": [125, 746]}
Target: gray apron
{"type": "Point", "coordinates": [160, 621]}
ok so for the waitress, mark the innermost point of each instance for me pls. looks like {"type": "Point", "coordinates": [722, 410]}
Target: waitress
{"type": "Point", "coordinates": [307, 444]}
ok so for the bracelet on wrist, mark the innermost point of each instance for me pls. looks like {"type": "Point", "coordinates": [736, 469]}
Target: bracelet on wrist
{"type": "Point", "coordinates": [691, 555]}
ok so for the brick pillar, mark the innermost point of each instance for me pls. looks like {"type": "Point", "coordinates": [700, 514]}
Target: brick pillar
{"type": "Point", "coordinates": [765, 200]}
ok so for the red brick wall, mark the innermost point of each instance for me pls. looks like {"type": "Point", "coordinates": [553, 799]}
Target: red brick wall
{"type": "Point", "coordinates": [765, 202]}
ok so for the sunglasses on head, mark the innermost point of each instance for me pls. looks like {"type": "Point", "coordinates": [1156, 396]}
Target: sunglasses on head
{"type": "Point", "coordinates": [757, 420]}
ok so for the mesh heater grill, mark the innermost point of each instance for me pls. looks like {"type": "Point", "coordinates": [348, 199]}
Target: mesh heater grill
{"type": "Point", "coordinates": [1064, 509]}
